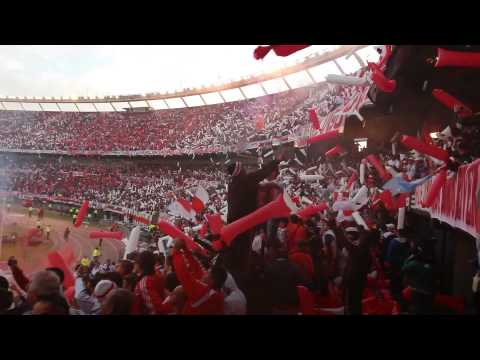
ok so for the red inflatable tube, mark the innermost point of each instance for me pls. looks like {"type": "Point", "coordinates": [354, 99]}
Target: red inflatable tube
{"type": "Point", "coordinates": [106, 235]}
{"type": "Point", "coordinates": [437, 185]}
{"type": "Point", "coordinates": [337, 150]}
{"type": "Point", "coordinates": [215, 222]}
{"type": "Point", "coordinates": [457, 59]}
{"type": "Point", "coordinates": [56, 260]}
{"type": "Point", "coordinates": [384, 84]}
{"type": "Point", "coordinates": [312, 210]}
{"type": "Point", "coordinates": [384, 174]}
{"type": "Point", "coordinates": [81, 214]}
{"type": "Point", "coordinates": [426, 149]}
{"type": "Point", "coordinates": [176, 233]}
{"type": "Point", "coordinates": [452, 103]}
{"type": "Point", "coordinates": [314, 118]}
{"type": "Point", "coordinates": [322, 137]}
{"type": "Point", "coordinates": [283, 206]}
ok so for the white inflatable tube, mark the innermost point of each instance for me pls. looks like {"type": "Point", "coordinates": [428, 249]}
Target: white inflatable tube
{"type": "Point", "coordinates": [270, 153]}
{"type": "Point", "coordinates": [308, 178]}
{"type": "Point", "coordinates": [132, 241]}
{"type": "Point", "coordinates": [401, 218]}
{"type": "Point", "coordinates": [361, 197]}
{"type": "Point", "coordinates": [197, 228]}
{"type": "Point", "coordinates": [307, 200]}
{"type": "Point", "coordinates": [359, 220]}
{"type": "Point", "coordinates": [362, 173]}
{"type": "Point", "coordinates": [392, 171]}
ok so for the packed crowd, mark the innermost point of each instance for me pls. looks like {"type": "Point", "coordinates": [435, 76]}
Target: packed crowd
{"type": "Point", "coordinates": [187, 130]}
{"type": "Point", "coordinates": [354, 255]}
{"type": "Point", "coordinates": [196, 130]}
{"type": "Point", "coordinates": [325, 257]}
{"type": "Point", "coordinates": [145, 188]}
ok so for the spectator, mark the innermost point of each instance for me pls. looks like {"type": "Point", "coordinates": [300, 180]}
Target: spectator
{"type": "Point", "coordinates": [358, 264]}
{"type": "Point", "coordinates": [44, 285]}
{"type": "Point", "coordinates": [118, 302]}
{"type": "Point", "coordinates": [149, 291]}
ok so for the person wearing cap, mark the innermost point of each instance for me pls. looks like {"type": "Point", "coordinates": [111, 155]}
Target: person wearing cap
{"type": "Point", "coordinates": [357, 267]}
{"type": "Point", "coordinates": [87, 303]}
{"type": "Point", "coordinates": [96, 253]}
{"type": "Point", "coordinates": [103, 288]}
{"type": "Point", "coordinates": [85, 262]}
{"type": "Point", "coordinates": [242, 195]}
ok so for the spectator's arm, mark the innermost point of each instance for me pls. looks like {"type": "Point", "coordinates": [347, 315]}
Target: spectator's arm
{"type": "Point", "coordinates": [264, 172]}
{"type": "Point", "coordinates": [87, 303]}
{"type": "Point", "coordinates": [20, 277]}
{"type": "Point", "coordinates": [195, 268]}
{"type": "Point", "coordinates": [194, 288]}
{"type": "Point", "coordinates": [157, 301]}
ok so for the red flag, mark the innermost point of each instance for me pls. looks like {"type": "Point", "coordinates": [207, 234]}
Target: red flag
{"type": "Point", "coordinates": [197, 204]}
{"type": "Point", "coordinates": [314, 118]}
{"type": "Point", "coordinates": [200, 199]}
{"type": "Point", "coordinates": [56, 260]}
{"type": "Point", "coordinates": [280, 50]}
{"type": "Point", "coordinates": [81, 214]}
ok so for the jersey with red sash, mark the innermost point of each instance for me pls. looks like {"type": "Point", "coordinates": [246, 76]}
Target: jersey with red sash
{"type": "Point", "coordinates": [149, 296]}
{"type": "Point", "coordinates": [201, 298]}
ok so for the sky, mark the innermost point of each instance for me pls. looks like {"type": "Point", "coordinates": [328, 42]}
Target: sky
{"type": "Point", "coordinates": [99, 70]}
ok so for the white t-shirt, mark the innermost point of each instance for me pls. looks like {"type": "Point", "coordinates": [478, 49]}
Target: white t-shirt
{"type": "Point", "coordinates": [235, 302]}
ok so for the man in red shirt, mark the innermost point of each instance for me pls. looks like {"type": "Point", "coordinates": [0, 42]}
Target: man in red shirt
{"type": "Point", "coordinates": [295, 233]}
{"type": "Point", "coordinates": [304, 261]}
{"type": "Point", "coordinates": [203, 296]}
{"type": "Point", "coordinates": [149, 291]}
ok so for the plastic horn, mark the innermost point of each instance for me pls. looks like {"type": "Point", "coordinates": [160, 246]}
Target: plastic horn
{"type": "Point", "coordinates": [457, 59]}
{"type": "Point", "coordinates": [423, 148]}
{"type": "Point", "coordinates": [359, 220]}
{"type": "Point", "coordinates": [283, 206]}
{"type": "Point", "coordinates": [437, 185]}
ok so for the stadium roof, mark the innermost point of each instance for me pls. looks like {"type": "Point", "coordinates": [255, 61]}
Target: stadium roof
{"type": "Point", "coordinates": [304, 69]}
